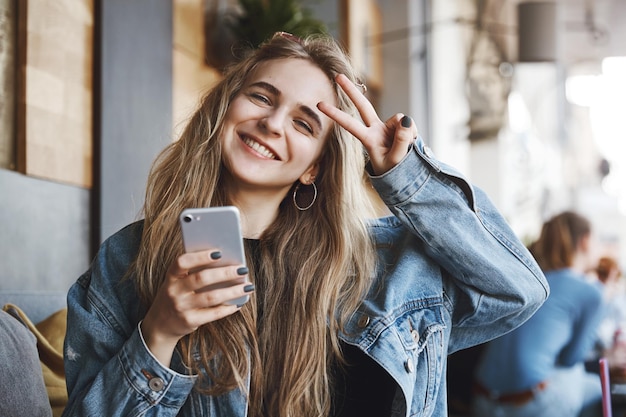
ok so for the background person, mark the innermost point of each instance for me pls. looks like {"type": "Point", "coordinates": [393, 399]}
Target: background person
{"type": "Point", "coordinates": [608, 277]}
{"type": "Point", "coordinates": [538, 369]}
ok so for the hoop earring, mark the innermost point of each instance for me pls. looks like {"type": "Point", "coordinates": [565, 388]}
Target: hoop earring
{"type": "Point", "coordinates": [295, 192]}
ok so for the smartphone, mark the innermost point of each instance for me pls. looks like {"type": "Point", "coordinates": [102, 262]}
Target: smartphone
{"type": "Point", "coordinates": [215, 228]}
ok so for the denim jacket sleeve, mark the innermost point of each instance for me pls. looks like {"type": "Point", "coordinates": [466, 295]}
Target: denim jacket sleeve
{"type": "Point", "coordinates": [495, 283]}
{"type": "Point", "coordinates": [109, 370]}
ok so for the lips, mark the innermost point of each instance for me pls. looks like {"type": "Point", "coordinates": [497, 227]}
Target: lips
{"type": "Point", "coordinates": [260, 149]}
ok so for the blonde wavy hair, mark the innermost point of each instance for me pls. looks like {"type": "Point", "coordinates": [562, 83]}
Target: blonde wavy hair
{"type": "Point", "coordinates": [313, 268]}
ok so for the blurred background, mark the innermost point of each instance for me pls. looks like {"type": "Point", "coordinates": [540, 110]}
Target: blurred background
{"type": "Point", "coordinates": [527, 99]}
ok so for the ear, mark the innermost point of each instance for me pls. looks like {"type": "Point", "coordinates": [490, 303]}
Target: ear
{"type": "Point", "coordinates": [309, 175]}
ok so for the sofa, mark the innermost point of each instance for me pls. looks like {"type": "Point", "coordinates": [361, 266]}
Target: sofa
{"type": "Point", "coordinates": [44, 314]}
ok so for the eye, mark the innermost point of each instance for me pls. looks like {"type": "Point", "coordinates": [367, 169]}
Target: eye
{"type": "Point", "coordinates": [304, 125]}
{"type": "Point", "coordinates": [259, 98]}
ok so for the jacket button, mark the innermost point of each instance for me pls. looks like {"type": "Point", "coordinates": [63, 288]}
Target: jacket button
{"type": "Point", "coordinates": [156, 383]}
{"type": "Point", "coordinates": [408, 365]}
{"type": "Point", "coordinates": [363, 321]}
{"type": "Point", "coordinates": [416, 336]}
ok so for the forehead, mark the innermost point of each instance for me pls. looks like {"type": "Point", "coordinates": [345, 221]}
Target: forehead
{"type": "Point", "coordinates": [297, 79]}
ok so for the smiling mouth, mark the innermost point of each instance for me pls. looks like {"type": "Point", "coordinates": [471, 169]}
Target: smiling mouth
{"type": "Point", "coordinates": [260, 149]}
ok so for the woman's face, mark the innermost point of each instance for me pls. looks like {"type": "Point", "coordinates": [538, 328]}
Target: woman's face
{"type": "Point", "coordinates": [273, 133]}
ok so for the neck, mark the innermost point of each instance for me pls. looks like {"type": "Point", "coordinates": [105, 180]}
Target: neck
{"type": "Point", "coordinates": [580, 263]}
{"type": "Point", "coordinates": [258, 210]}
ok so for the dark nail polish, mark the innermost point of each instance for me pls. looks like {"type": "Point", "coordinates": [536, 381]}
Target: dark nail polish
{"type": "Point", "coordinates": [406, 121]}
{"type": "Point", "coordinates": [216, 255]}
{"type": "Point", "coordinates": [242, 271]}
{"type": "Point", "coordinates": [249, 288]}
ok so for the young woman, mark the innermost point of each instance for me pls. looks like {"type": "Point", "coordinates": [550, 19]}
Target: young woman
{"type": "Point", "coordinates": [348, 314]}
{"type": "Point", "coordinates": [538, 369]}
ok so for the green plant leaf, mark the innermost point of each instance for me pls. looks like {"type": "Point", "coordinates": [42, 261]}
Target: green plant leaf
{"type": "Point", "coordinates": [260, 19]}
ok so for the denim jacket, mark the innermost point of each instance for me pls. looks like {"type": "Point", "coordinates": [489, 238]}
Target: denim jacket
{"type": "Point", "coordinates": [451, 274]}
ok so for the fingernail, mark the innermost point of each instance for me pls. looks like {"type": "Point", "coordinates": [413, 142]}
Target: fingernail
{"type": "Point", "coordinates": [249, 288]}
{"type": "Point", "coordinates": [240, 305]}
{"type": "Point", "coordinates": [216, 255]}
{"type": "Point", "coordinates": [406, 121]}
{"type": "Point", "coordinates": [242, 271]}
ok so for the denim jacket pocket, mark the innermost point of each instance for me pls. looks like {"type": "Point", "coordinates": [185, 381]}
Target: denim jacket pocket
{"type": "Point", "coordinates": [423, 333]}
{"type": "Point", "coordinates": [412, 347]}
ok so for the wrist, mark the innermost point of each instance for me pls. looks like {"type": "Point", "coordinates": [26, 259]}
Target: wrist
{"type": "Point", "coordinates": [161, 347]}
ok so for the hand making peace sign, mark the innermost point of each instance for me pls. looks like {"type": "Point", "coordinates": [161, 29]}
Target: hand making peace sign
{"type": "Point", "coordinates": [386, 142]}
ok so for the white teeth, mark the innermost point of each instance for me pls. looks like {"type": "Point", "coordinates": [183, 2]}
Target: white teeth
{"type": "Point", "coordinates": [259, 148]}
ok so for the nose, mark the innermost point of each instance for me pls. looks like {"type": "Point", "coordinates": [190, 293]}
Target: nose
{"type": "Point", "coordinates": [273, 122]}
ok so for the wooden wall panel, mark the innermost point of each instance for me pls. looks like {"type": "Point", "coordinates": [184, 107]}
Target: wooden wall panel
{"type": "Point", "coordinates": [361, 35]}
{"type": "Point", "coordinates": [8, 28]}
{"type": "Point", "coordinates": [192, 77]}
{"type": "Point", "coordinates": [54, 98]}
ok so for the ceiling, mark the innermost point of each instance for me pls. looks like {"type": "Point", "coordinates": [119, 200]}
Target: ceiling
{"type": "Point", "coordinates": [589, 30]}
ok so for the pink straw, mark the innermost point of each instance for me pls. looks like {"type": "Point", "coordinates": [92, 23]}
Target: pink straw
{"type": "Point", "coordinates": [606, 388]}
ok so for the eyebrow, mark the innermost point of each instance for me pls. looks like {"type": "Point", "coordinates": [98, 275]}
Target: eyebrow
{"type": "Point", "coordinates": [303, 108]}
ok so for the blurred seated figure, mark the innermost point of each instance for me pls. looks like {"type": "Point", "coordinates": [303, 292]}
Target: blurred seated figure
{"type": "Point", "coordinates": [609, 274]}
{"type": "Point", "coordinates": [537, 370]}
{"type": "Point", "coordinates": [611, 335]}
{"type": "Point", "coordinates": [22, 389]}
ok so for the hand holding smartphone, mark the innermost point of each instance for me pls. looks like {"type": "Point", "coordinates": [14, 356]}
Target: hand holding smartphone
{"type": "Point", "coordinates": [215, 228]}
